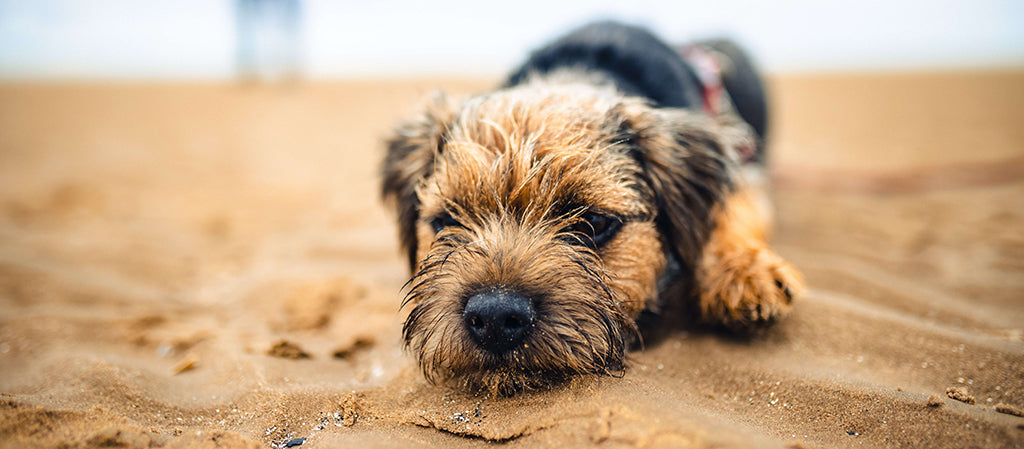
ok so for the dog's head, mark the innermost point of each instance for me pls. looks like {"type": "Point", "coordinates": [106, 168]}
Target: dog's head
{"type": "Point", "coordinates": [538, 221]}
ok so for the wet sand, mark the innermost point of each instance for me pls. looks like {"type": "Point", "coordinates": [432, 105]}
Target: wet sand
{"type": "Point", "coordinates": [209, 266]}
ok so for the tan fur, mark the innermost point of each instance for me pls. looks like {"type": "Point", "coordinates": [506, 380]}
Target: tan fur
{"type": "Point", "coordinates": [518, 167]}
{"type": "Point", "coordinates": [742, 281]}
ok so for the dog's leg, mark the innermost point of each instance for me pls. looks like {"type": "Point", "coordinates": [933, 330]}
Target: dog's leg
{"type": "Point", "coordinates": [743, 283]}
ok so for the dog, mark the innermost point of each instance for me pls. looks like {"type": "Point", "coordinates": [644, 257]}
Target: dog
{"type": "Point", "coordinates": [598, 182]}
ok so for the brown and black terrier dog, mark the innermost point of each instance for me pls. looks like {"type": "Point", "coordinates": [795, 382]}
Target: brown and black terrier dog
{"type": "Point", "coordinates": [597, 183]}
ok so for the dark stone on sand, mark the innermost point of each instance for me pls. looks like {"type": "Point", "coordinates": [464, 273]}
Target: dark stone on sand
{"type": "Point", "coordinates": [288, 350]}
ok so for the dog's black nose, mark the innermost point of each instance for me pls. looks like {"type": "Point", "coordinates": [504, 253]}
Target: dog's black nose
{"type": "Point", "coordinates": [498, 319]}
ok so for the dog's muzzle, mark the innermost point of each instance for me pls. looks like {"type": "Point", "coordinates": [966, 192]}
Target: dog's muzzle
{"type": "Point", "coordinates": [498, 319]}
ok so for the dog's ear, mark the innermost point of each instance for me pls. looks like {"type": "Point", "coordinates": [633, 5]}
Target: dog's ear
{"type": "Point", "coordinates": [412, 148]}
{"type": "Point", "coordinates": [688, 162]}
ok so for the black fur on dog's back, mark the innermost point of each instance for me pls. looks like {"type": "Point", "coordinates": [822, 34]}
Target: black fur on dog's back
{"type": "Point", "coordinates": [637, 62]}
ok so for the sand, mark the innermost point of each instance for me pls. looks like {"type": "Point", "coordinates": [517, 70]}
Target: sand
{"type": "Point", "coordinates": [208, 266]}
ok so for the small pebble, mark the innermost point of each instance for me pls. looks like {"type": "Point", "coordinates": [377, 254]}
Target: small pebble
{"type": "Point", "coordinates": [295, 442]}
{"type": "Point", "coordinates": [961, 394]}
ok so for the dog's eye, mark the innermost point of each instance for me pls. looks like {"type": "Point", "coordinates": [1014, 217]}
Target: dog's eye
{"type": "Point", "coordinates": [442, 221]}
{"type": "Point", "coordinates": [596, 228]}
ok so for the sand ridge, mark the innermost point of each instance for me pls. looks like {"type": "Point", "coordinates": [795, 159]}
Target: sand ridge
{"type": "Point", "coordinates": [209, 266]}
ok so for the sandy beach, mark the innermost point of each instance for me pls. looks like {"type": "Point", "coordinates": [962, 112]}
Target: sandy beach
{"type": "Point", "coordinates": [209, 265]}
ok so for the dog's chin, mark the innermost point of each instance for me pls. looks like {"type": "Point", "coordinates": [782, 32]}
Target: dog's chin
{"type": "Point", "coordinates": [538, 364]}
{"type": "Point", "coordinates": [506, 378]}
{"type": "Point", "coordinates": [506, 381]}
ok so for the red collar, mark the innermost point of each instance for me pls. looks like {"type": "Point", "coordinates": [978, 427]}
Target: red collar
{"type": "Point", "coordinates": [709, 72]}
{"type": "Point", "coordinates": [716, 102]}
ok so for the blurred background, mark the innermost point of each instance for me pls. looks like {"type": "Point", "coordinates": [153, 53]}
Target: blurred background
{"type": "Point", "coordinates": [275, 39]}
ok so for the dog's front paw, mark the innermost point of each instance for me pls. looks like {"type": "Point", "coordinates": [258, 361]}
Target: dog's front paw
{"type": "Point", "coordinates": [746, 288]}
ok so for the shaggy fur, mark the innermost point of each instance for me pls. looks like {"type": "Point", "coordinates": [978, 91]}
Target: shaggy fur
{"type": "Point", "coordinates": [494, 191]}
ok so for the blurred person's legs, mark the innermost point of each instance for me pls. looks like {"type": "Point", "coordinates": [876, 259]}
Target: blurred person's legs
{"type": "Point", "coordinates": [245, 35]}
{"type": "Point", "coordinates": [290, 43]}
{"type": "Point", "coordinates": [268, 40]}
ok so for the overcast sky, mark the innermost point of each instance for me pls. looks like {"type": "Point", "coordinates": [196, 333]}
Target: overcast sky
{"type": "Point", "coordinates": [156, 39]}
